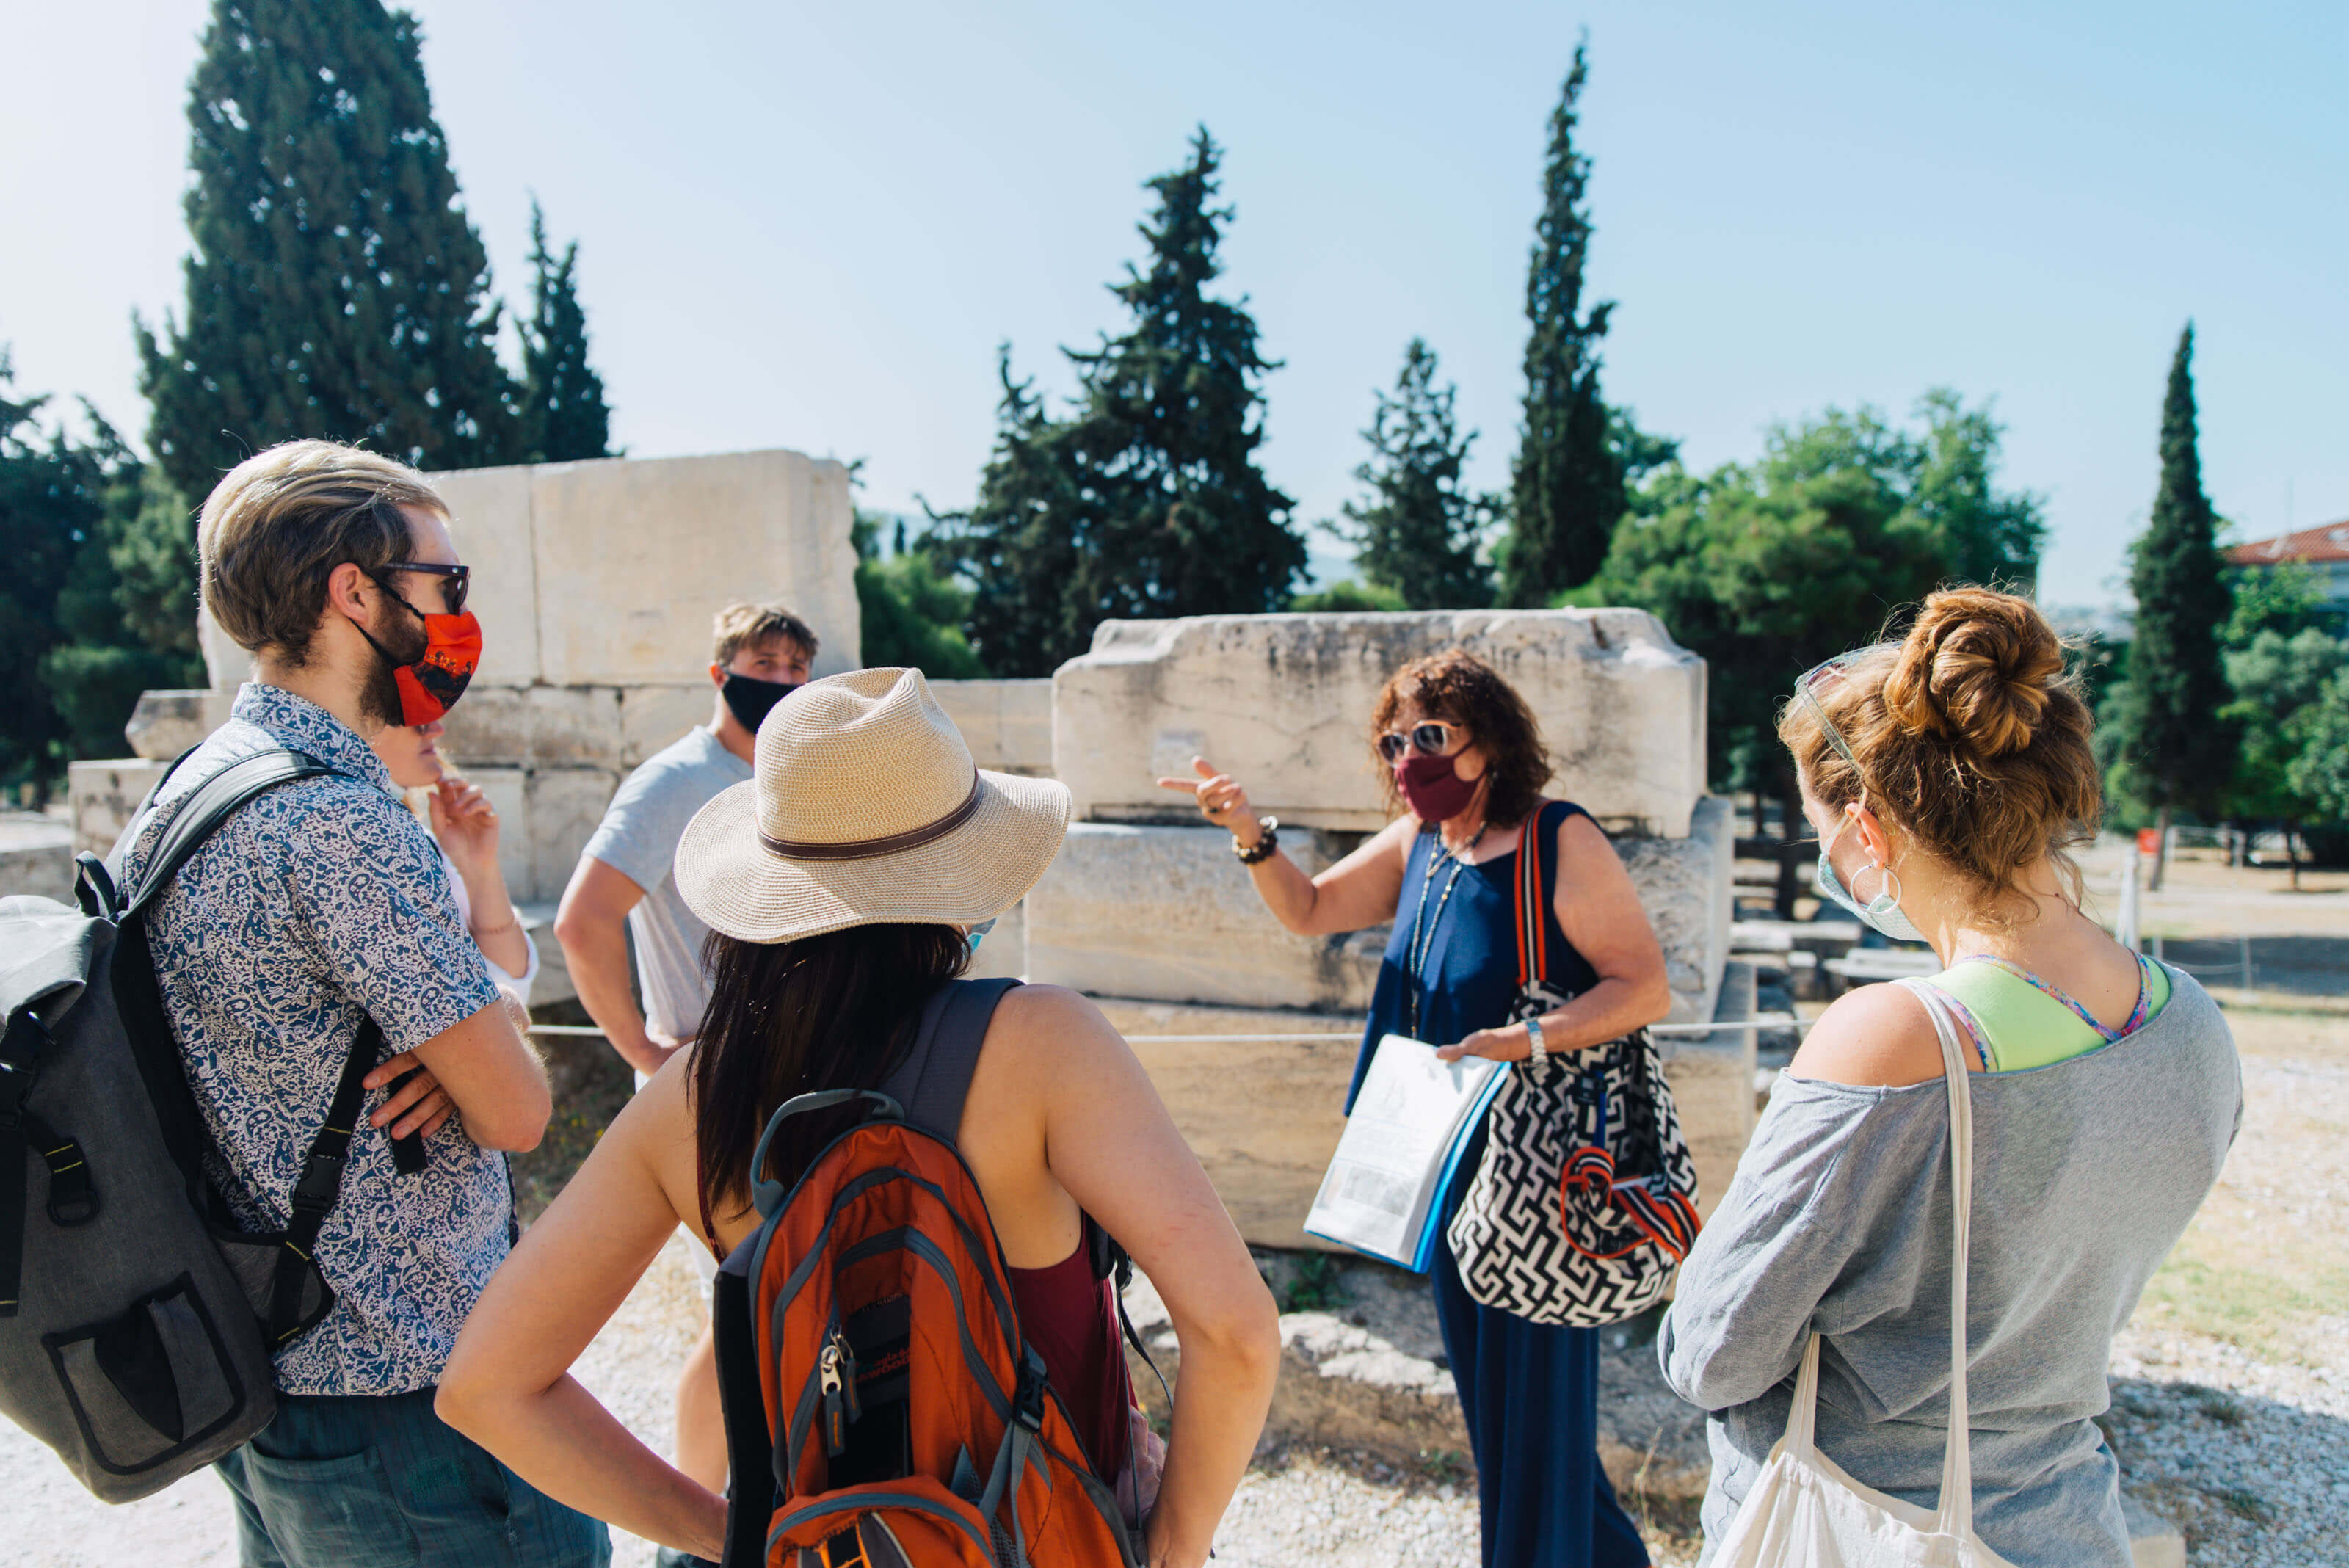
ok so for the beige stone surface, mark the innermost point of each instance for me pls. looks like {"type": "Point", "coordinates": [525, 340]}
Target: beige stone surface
{"type": "Point", "coordinates": [520, 726]}
{"type": "Point", "coordinates": [1263, 1119]}
{"type": "Point", "coordinates": [1166, 914]}
{"type": "Point", "coordinates": [1282, 701]}
{"type": "Point", "coordinates": [104, 796]}
{"type": "Point", "coordinates": [633, 557]}
{"type": "Point", "coordinates": [1003, 952]}
{"type": "Point", "coordinates": [490, 521]}
{"type": "Point", "coordinates": [225, 664]}
{"type": "Point", "coordinates": [1684, 886]}
{"type": "Point", "coordinates": [563, 806]}
{"type": "Point", "coordinates": [165, 724]}
{"type": "Point", "coordinates": [653, 717]}
{"type": "Point", "coordinates": [37, 859]}
{"type": "Point", "coordinates": [508, 792]}
{"type": "Point", "coordinates": [1007, 724]}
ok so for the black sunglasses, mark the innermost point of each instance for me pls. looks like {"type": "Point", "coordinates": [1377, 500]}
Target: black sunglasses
{"type": "Point", "coordinates": [1429, 740]}
{"type": "Point", "coordinates": [456, 581]}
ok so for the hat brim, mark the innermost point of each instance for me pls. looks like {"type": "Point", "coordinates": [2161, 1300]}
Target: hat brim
{"type": "Point", "coordinates": [974, 873]}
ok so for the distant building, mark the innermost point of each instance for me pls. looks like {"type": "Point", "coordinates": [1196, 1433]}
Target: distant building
{"type": "Point", "coordinates": [2325, 551]}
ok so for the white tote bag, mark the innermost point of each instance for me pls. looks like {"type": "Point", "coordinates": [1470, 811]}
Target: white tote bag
{"type": "Point", "coordinates": [1804, 1511]}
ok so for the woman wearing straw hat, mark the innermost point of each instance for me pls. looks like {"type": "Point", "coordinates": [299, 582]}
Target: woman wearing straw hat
{"type": "Point", "coordinates": [841, 883]}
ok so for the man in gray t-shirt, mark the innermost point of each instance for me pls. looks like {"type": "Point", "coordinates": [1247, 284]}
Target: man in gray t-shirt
{"type": "Point", "coordinates": [622, 886]}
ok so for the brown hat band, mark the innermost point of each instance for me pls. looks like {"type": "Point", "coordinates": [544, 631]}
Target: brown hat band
{"type": "Point", "coordinates": [873, 848]}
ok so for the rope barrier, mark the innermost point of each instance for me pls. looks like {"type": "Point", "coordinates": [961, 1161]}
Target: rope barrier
{"type": "Point", "coordinates": [1747, 1025]}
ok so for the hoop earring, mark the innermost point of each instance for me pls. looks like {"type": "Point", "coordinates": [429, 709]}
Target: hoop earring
{"type": "Point", "coordinates": [1889, 888]}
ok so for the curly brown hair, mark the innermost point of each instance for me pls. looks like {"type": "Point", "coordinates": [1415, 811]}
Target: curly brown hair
{"type": "Point", "coordinates": [1969, 732]}
{"type": "Point", "coordinates": [1462, 689]}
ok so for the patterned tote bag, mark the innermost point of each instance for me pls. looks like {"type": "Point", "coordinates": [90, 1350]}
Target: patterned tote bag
{"type": "Point", "coordinates": [1804, 1511]}
{"type": "Point", "coordinates": [1585, 1200]}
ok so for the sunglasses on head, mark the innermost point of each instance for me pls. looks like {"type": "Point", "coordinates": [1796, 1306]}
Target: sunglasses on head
{"type": "Point", "coordinates": [456, 581]}
{"type": "Point", "coordinates": [1430, 739]}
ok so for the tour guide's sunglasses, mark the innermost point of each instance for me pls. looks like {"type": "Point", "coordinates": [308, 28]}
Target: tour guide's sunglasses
{"type": "Point", "coordinates": [1429, 740]}
{"type": "Point", "coordinates": [456, 581]}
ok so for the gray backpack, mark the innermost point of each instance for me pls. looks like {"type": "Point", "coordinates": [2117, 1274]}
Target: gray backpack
{"type": "Point", "coordinates": [136, 1318]}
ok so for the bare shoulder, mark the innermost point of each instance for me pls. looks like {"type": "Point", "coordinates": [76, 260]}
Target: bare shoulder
{"type": "Point", "coordinates": [1580, 838]}
{"type": "Point", "coordinates": [1048, 1025]}
{"type": "Point", "coordinates": [1877, 1036]}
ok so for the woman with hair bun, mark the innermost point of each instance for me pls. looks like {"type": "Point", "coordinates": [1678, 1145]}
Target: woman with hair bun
{"type": "Point", "coordinates": [1946, 775]}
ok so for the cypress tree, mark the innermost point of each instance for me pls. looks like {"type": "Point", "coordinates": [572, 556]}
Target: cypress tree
{"type": "Point", "coordinates": [1567, 490]}
{"type": "Point", "coordinates": [335, 287]}
{"type": "Point", "coordinates": [564, 416]}
{"type": "Point", "coordinates": [1146, 500]}
{"type": "Point", "coordinates": [1184, 522]}
{"type": "Point", "coordinates": [1420, 527]}
{"type": "Point", "coordinates": [2179, 749]}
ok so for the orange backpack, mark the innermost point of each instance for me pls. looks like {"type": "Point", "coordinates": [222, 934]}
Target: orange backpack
{"type": "Point", "coordinates": [882, 1408]}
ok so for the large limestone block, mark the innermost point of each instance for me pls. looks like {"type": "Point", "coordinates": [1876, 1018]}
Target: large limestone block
{"type": "Point", "coordinates": [634, 556]}
{"type": "Point", "coordinates": [226, 665]}
{"type": "Point", "coordinates": [521, 726]}
{"type": "Point", "coordinates": [1262, 1119]}
{"type": "Point", "coordinates": [1003, 952]}
{"type": "Point", "coordinates": [166, 723]}
{"type": "Point", "coordinates": [508, 792]}
{"type": "Point", "coordinates": [1165, 913]}
{"type": "Point", "coordinates": [563, 806]}
{"type": "Point", "coordinates": [490, 521]}
{"type": "Point", "coordinates": [1283, 701]}
{"type": "Point", "coordinates": [106, 796]}
{"type": "Point", "coordinates": [1007, 724]}
{"type": "Point", "coordinates": [1685, 887]}
{"type": "Point", "coordinates": [652, 718]}
{"type": "Point", "coordinates": [37, 859]}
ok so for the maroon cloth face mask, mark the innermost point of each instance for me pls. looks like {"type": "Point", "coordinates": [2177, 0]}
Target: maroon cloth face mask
{"type": "Point", "coordinates": [1433, 788]}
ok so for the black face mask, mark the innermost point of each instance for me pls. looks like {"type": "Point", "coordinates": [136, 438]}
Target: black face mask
{"type": "Point", "coordinates": [750, 699]}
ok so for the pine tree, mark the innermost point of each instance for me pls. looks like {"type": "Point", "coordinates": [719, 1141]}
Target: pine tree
{"type": "Point", "coordinates": [1146, 500]}
{"type": "Point", "coordinates": [1568, 489]}
{"type": "Point", "coordinates": [335, 287]}
{"type": "Point", "coordinates": [1421, 526]}
{"type": "Point", "coordinates": [2179, 749]}
{"type": "Point", "coordinates": [564, 416]}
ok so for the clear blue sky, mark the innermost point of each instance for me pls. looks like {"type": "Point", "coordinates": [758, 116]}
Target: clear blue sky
{"type": "Point", "coordinates": [809, 226]}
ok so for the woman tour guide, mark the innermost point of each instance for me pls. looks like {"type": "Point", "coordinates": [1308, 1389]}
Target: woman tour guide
{"type": "Point", "coordinates": [1465, 767]}
{"type": "Point", "coordinates": [822, 964]}
{"type": "Point", "coordinates": [1945, 774]}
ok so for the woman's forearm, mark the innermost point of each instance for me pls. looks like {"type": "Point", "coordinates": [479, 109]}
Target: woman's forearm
{"type": "Point", "coordinates": [569, 1447]}
{"type": "Point", "coordinates": [1221, 1397]}
{"type": "Point", "coordinates": [1286, 890]}
{"type": "Point", "coordinates": [497, 928]}
{"type": "Point", "coordinates": [1608, 1011]}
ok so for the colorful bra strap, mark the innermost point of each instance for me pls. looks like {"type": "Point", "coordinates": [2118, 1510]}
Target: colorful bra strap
{"type": "Point", "coordinates": [2136, 1015]}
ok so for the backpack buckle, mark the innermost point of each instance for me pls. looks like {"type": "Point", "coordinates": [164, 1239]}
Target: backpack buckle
{"type": "Point", "coordinates": [321, 1177]}
{"type": "Point", "coordinates": [1028, 1397]}
{"type": "Point", "coordinates": [20, 1050]}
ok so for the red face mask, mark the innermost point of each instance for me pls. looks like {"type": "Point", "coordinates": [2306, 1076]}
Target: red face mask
{"type": "Point", "coordinates": [430, 685]}
{"type": "Point", "coordinates": [1433, 788]}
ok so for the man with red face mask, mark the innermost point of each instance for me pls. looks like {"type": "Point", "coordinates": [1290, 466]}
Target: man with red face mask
{"type": "Point", "coordinates": [313, 936]}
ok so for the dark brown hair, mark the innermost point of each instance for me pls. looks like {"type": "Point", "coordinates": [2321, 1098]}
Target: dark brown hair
{"type": "Point", "coordinates": [1969, 734]}
{"type": "Point", "coordinates": [832, 1011]}
{"type": "Point", "coordinates": [1456, 686]}
{"type": "Point", "coordinates": [275, 528]}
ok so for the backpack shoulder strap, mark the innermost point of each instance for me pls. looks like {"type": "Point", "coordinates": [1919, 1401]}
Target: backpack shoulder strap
{"type": "Point", "coordinates": [935, 1078]}
{"type": "Point", "coordinates": [212, 803]}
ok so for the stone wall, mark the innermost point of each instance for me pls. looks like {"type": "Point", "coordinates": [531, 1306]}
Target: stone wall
{"type": "Point", "coordinates": [1280, 701]}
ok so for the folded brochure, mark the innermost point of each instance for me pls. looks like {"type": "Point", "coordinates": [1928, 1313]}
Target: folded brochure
{"type": "Point", "coordinates": [1401, 1151]}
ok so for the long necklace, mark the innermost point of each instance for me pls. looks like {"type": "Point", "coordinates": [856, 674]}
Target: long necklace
{"type": "Point", "coordinates": [1415, 951]}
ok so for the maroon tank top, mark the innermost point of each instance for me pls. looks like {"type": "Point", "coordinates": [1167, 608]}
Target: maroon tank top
{"type": "Point", "coordinates": [1070, 1319]}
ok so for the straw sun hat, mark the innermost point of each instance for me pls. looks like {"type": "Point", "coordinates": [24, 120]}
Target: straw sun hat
{"type": "Point", "coordinates": [864, 807]}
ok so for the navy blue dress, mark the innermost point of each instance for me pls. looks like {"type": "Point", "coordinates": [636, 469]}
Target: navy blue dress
{"type": "Point", "coordinates": [1528, 1391]}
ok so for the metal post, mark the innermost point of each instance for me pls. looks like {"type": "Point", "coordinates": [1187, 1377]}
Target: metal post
{"type": "Point", "coordinates": [2245, 951]}
{"type": "Point", "coordinates": [2124, 924]}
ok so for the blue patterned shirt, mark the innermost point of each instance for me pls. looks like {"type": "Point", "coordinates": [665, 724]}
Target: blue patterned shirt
{"type": "Point", "coordinates": [322, 903]}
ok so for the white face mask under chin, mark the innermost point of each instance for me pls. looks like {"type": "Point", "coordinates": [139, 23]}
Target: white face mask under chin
{"type": "Point", "coordinates": [1882, 912]}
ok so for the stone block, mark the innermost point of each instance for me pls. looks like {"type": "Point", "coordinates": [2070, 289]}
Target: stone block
{"type": "Point", "coordinates": [1712, 1077]}
{"type": "Point", "coordinates": [633, 557]}
{"type": "Point", "coordinates": [37, 859]}
{"type": "Point", "coordinates": [509, 795]}
{"type": "Point", "coordinates": [652, 717]}
{"type": "Point", "coordinates": [1283, 703]}
{"type": "Point", "coordinates": [554, 986]}
{"type": "Point", "coordinates": [106, 796]}
{"type": "Point", "coordinates": [490, 520]}
{"type": "Point", "coordinates": [166, 723]}
{"type": "Point", "coordinates": [1165, 914]}
{"type": "Point", "coordinates": [523, 726]}
{"type": "Point", "coordinates": [1003, 953]}
{"type": "Point", "coordinates": [1263, 1119]}
{"type": "Point", "coordinates": [563, 806]}
{"type": "Point", "coordinates": [1007, 724]}
{"type": "Point", "coordinates": [1684, 886]}
{"type": "Point", "coordinates": [227, 666]}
